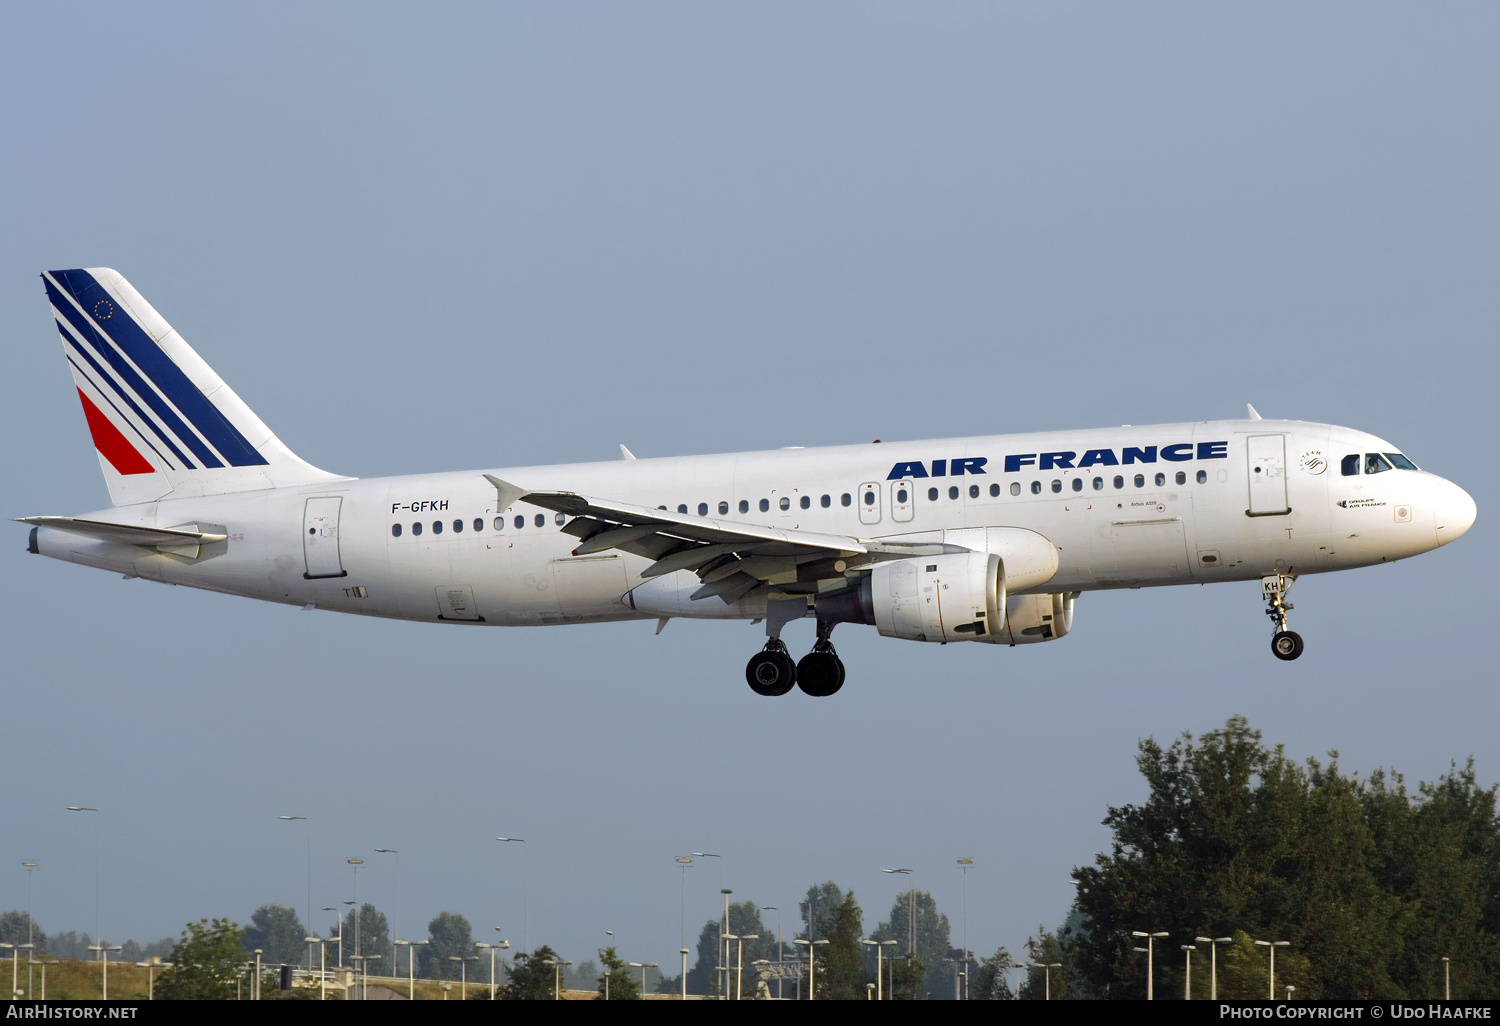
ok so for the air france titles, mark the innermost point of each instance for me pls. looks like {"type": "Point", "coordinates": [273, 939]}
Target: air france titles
{"type": "Point", "coordinates": [1068, 459]}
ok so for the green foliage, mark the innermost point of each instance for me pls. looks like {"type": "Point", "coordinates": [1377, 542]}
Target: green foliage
{"type": "Point", "coordinates": [915, 919]}
{"type": "Point", "coordinates": [205, 963]}
{"type": "Point", "coordinates": [991, 982]}
{"type": "Point", "coordinates": [529, 976]}
{"type": "Point", "coordinates": [744, 921]}
{"type": "Point", "coordinates": [1046, 950]}
{"type": "Point", "coordinates": [623, 985]}
{"type": "Point", "coordinates": [908, 978]}
{"type": "Point", "coordinates": [841, 962]}
{"type": "Point", "coordinates": [13, 930]}
{"type": "Point", "coordinates": [374, 938]}
{"type": "Point", "coordinates": [1369, 884]}
{"type": "Point", "coordinates": [448, 934]}
{"type": "Point", "coordinates": [277, 931]}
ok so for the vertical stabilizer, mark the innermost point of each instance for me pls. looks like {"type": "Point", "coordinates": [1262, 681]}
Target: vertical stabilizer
{"type": "Point", "coordinates": [162, 421]}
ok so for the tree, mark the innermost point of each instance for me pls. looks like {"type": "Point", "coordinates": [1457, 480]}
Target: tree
{"type": "Point", "coordinates": [1045, 950]}
{"type": "Point", "coordinates": [622, 983]}
{"type": "Point", "coordinates": [915, 919]}
{"type": "Point", "coordinates": [448, 934]}
{"type": "Point", "coordinates": [19, 928]}
{"type": "Point", "coordinates": [990, 982]}
{"type": "Point", "coordinates": [374, 935]}
{"type": "Point", "coordinates": [529, 976]}
{"type": "Point", "coordinates": [205, 963]}
{"type": "Point", "coordinates": [277, 931]}
{"type": "Point", "coordinates": [841, 972]}
{"type": "Point", "coordinates": [744, 921]}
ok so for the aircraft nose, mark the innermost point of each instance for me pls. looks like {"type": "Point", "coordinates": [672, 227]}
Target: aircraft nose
{"type": "Point", "coordinates": [1455, 512]}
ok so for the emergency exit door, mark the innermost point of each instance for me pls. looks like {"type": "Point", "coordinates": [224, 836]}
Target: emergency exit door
{"type": "Point", "coordinates": [320, 538]}
{"type": "Point", "coordinates": [1267, 471]}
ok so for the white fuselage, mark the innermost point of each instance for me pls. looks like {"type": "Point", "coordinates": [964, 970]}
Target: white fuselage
{"type": "Point", "coordinates": [1133, 517]}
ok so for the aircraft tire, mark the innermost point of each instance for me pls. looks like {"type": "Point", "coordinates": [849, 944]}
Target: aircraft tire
{"type": "Point", "coordinates": [770, 673]}
{"type": "Point", "coordinates": [820, 674]}
{"type": "Point", "coordinates": [1286, 645]}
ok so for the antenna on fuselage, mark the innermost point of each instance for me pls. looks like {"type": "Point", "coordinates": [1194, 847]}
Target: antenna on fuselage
{"type": "Point", "coordinates": [1251, 410]}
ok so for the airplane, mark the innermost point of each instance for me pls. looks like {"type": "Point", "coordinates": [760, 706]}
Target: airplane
{"type": "Point", "coordinates": [986, 539]}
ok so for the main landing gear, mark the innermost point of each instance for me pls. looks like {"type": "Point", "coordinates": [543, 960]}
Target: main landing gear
{"type": "Point", "coordinates": [820, 673]}
{"type": "Point", "coordinates": [1285, 644]}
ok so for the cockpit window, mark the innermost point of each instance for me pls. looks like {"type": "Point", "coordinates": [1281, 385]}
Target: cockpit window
{"type": "Point", "coordinates": [1401, 462]}
{"type": "Point", "coordinates": [1350, 466]}
{"type": "Point", "coordinates": [1376, 463]}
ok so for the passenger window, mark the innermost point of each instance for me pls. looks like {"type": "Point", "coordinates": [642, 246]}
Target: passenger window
{"type": "Point", "coordinates": [1036, 488]}
{"type": "Point", "coordinates": [826, 501]}
{"type": "Point", "coordinates": [1181, 477]}
{"type": "Point", "coordinates": [1140, 480]}
{"type": "Point", "coordinates": [901, 495]}
{"type": "Point", "coordinates": [1161, 479]}
{"type": "Point", "coordinates": [1078, 484]}
{"type": "Point", "coordinates": [520, 523]}
{"type": "Point", "coordinates": [416, 528]}
{"type": "Point", "coordinates": [437, 527]}
{"type": "Point", "coordinates": [806, 502]}
{"type": "Point", "coordinates": [1401, 462]}
{"type": "Point", "coordinates": [499, 523]}
{"type": "Point", "coordinates": [723, 508]}
{"type": "Point", "coordinates": [1203, 477]}
{"type": "Point", "coordinates": [1057, 486]}
{"type": "Point", "coordinates": [869, 498]}
{"type": "Point", "coordinates": [785, 503]}
{"type": "Point", "coordinates": [1375, 463]}
{"type": "Point", "coordinates": [953, 492]}
{"type": "Point", "coordinates": [478, 523]}
{"type": "Point", "coordinates": [995, 491]}
{"type": "Point", "coordinates": [1119, 481]}
{"type": "Point", "coordinates": [1098, 484]}
{"type": "Point", "coordinates": [846, 499]}
{"type": "Point", "coordinates": [560, 519]}
{"type": "Point", "coordinates": [703, 509]}
{"type": "Point", "coordinates": [765, 505]}
{"type": "Point", "coordinates": [458, 527]}
{"type": "Point", "coordinates": [681, 507]}
{"type": "Point", "coordinates": [744, 505]}
{"type": "Point", "coordinates": [1015, 488]}
{"type": "Point", "coordinates": [932, 495]}
{"type": "Point", "coordinates": [1350, 465]}
{"type": "Point", "coordinates": [395, 530]}
{"type": "Point", "coordinates": [541, 520]}
{"type": "Point", "coordinates": [973, 491]}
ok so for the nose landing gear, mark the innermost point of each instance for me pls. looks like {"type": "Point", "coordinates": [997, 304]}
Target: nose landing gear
{"type": "Point", "coordinates": [1285, 644]}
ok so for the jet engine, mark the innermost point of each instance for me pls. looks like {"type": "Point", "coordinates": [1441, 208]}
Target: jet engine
{"type": "Point", "coordinates": [1033, 618]}
{"type": "Point", "coordinates": [955, 597]}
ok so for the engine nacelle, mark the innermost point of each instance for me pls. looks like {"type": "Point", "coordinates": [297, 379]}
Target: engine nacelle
{"type": "Point", "coordinates": [954, 597]}
{"type": "Point", "coordinates": [1033, 618]}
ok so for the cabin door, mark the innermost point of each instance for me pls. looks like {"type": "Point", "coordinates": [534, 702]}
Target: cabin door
{"type": "Point", "coordinates": [320, 538]}
{"type": "Point", "coordinates": [1267, 472]}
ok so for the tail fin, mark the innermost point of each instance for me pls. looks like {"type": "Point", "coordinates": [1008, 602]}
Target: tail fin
{"type": "Point", "coordinates": [162, 421]}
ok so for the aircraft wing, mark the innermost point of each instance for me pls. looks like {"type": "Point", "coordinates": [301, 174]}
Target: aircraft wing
{"type": "Point", "coordinates": [730, 557]}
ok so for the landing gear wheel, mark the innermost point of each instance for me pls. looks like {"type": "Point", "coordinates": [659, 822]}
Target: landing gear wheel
{"type": "Point", "coordinates": [820, 674]}
{"type": "Point", "coordinates": [770, 672]}
{"type": "Point", "coordinates": [1286, 645]}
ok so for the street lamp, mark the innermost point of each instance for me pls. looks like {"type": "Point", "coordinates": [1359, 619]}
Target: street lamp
{"type": "Point", "coordinates": [322, 964]}
{"type": "Point", "coordinates": [104, 950]}
{"type": "Point", "coordinates": [493, 948]}
{"type": "Point", "coordinates": [1187, 981]}
{"type": "Point", "coordinates": [643, 966]}
{"type": "Point", "coordinates": [30, 865]}
{"type": "Point", "coordinates": [356, 863]}
{"type": "Point", "coordinates": [683, 977]}
{"type": "Point", "coordinates": [463, 964]}
{"type": "Point", "coordinates": [610, 934]}
{"type": "Point", "coordinates": [879, 984]}
{"type": "Point", "coordinates": [307, 831]}
{"type": "Point", "coordinates": [966, 864]}
{"type": "Point", "coordinates": [683, 863]}
{"type": "Point", "coordinates": [911, 915]}
{"type": "Point", "coordinates": [525, 896]}
{"type": "Point", "coordinates": [411, 970]}
{"type": "Point", "coordinates": [15, 963]}
{"type": "Point", "coordinates": [150, 965]}
{"type": "Point", "coordinates": [1272, 946]}
{"type": "Point", "coordinates": [725, 928]}
{"type": "Point", "coordinates": [780, 956]}
{"type": "Point", "coordinates": [557, 976]}
{"type": "Point", "coordinates": [44, 963]}
{"type": "Point", "coordinates": [739, 978]}
{"type": "Point", "coordinates": [1150, 950]}
{"type": "Point", "coordinates": [1213, 976]}
{"type": "Point", "coordinates": [1046, 968]}
{"type": "Point", "coordinates": [811, 946]}
{"type": "Point", "coordinates": [1446, 996]}
{"type": "Point", "coordinates": [396, 912]}
{"type": "Point", "coordinates": [1289, 989]}
{"type": "Point", "coordinates": [255, 990]}
{"type": "Point", "coordinates": [98, 864]}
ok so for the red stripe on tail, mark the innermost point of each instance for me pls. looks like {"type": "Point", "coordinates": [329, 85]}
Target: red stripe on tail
{"type": "Point", "coordinates": [112, 445]}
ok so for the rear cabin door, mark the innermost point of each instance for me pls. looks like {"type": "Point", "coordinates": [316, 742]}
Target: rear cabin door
{"type": "Point", "coordinates": [903, 501]}
{"type": "Point", "coordinates": [1267, 472]}
{"type": "Point", "coordinates": [869, 502]}
{"type": "Point", "coordinates": [320, 538]}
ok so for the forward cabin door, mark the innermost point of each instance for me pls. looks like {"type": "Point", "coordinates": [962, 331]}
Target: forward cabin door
{"type": "Point", "coordinates": [1267, 472]}
{"type": "Point", "coordinates": [320, 538]}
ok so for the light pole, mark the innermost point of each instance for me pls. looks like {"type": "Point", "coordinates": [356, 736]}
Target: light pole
{"type": "Point", "coordinates": [1150, 951]}
{"type": "Point", "coordinates": [1187, 980]}
{"type": "Point", "coordinates": [739, 978]}
{"type": "Point", "coordinates": [463, 966]}
{"type": "Point", "coordinates": [1046, 968]}
{"type": "Point", "coordinates": [411, 967]}
{"type": "Point", "coordinates": [780, 956]}
{"type": "Point", "coordinates": [611, 935]}
{"type": "Point", "coordinates": [1272, 946]}
{"type": "Point", "coordinates": [30, 865]}
{"type": "Point", "coordinates": [104, 950]}
{"type": "Point", "coordinates": [15, 963]}
{"type": "Point", "coordinates": [811, 946]}
{"type": "Point", "coordinates": [150, 968]}
{"type": "Point", "coordinates": [98, 866]}
{"type": "Point", "coordinates": [683, 977]}
{"type": "Point", "coordinates": [339, 917]}
{"type": "Point", "coordinates": [557, 975]}
{"type": "Point", "coordinates": [44, 963]}
{"type": "Point", "coordinates": [322, 965]}
{"type": "Point", "coordinates": [965, 863]}
{"type": "Point", "coordinates": [1289, 989]}
{"type": "Point", "coordinates": [725, 928]}
{"type": "Point", "coordinates": [255, 990]}
{"type": "Point", "coordinates": [525, 896]}
{"type": "Point", "coordinates": [356, 863]}
{"type": "Point", "coordinates": [307, 831]}
{"type": "Point", "coordinates": [683, 862]}
{"type": "Point", "coordinates": [396, 911]}
{"type": "Point", "coordinates": [493, 948]}
{"type": "Point", "coordinates": [879, 979]}
{"type": "Point", "coordinates": [1213, 975]}
{"type": "Point", "coordinates": [1446, 992]}
{"type": "Point", "coordinates": [911, 915]}
{"type": "Point", "coordinates": [643, 966]}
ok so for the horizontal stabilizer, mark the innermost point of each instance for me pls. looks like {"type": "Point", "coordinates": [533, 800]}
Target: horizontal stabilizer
{"type": "Point", "coordinates": [183, 540]}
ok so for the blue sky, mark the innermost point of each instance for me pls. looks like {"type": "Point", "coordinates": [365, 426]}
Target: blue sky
{"type": "Point", "coordinates": [483, 235]}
